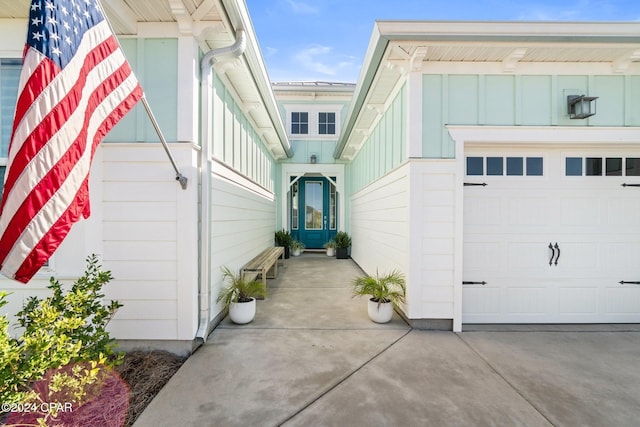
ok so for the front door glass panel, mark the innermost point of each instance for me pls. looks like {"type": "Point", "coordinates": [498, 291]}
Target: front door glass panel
{"type": "Point", "coordinates": [313, 205]}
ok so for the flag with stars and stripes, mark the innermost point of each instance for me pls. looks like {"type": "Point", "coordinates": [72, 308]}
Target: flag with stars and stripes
{"type": "Point", "coordinates": [75, 85]}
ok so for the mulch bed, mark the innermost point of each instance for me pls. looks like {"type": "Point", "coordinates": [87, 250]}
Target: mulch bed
{"type": "Point", "coordinates": [139, 379]}
{"type": "Point", "coordinates": [146, 372]}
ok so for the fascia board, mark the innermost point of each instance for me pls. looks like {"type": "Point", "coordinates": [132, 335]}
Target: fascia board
{"type": "Point", "coordinates": [375, 52]}
{"type": "Point", "coordinates": [504, 31]}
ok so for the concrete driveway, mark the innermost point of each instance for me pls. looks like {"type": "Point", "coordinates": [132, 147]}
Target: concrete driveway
{"type": "Point", "coordinates": [312, 358]}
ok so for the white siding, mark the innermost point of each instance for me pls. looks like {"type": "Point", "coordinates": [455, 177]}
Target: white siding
{"type": "Point", "coordinates": [243, 220]}
{"type": "Point", "coordinates": [143, 227]}
{"type": "Point", "coordinates": [434, 227]}
{"type": "Point", "coordinates": [380, 223]}
{"type": "Point", "coordinates": [407, 220]}
{"type": "Point", "coordinates": [149, 240]}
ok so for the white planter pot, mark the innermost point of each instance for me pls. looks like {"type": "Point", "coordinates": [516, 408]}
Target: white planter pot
{"type": "Point", "coordinates": [331, 251]}
{"type": "Point", "coordinates": [295, 252]}
{"type": "Point", "coordinates": [242, 312]}
{"type": "Point", "coordinates": [380, 313]}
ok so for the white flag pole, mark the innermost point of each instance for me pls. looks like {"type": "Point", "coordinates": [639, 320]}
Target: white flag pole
{"type": "Point", "coordinates": [179, 177]}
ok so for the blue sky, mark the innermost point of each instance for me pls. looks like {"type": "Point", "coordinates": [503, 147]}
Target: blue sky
{"type": "Point", "coordinates": [326, 40]}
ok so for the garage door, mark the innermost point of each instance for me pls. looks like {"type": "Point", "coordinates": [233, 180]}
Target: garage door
{"type": "Point", "coordinates": [551, 236]}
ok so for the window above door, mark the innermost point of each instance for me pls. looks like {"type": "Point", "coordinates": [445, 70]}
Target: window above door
{"type": "Point", "coordinates": [306, 121]}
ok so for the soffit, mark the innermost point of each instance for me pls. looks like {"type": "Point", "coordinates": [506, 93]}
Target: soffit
{"type": "Point", "coordinates": [528, 52]}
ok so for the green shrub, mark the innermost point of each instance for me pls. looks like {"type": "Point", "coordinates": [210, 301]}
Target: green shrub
{"type": "Point", "coordinates": [342, 240]}
{"type": "Point", "coordinates": [283, 238]}
{"type": "Point", "coordinates": [67, 327]}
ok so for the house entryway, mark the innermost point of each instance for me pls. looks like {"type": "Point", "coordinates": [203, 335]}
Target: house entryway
{"type": "Point", "coordinates": [314, 208]}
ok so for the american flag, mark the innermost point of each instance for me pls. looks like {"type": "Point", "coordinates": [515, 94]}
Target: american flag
{"type": "Point", "coordinates": [74, 87]}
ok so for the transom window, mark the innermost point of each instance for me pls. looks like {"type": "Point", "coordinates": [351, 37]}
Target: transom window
{"type": "Point", "coordinates": [505, 166]}
{"type": "Point", "coordinates": [327, 123]}
{"type": "Point", "coordinates": [602, 166]}
{"type": "Point", "coordinates": [299, 123]}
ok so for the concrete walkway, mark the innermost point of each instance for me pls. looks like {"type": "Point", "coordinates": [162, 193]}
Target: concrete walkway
{"type": "Point", "coordinates": [312, 357]}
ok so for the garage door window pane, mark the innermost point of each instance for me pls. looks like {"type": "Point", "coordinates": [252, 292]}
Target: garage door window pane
{"type": "Point", "coordinates": [573, 166]}
{"type": "Point", "coordinates": [534, 166]}
{"type": "Point", "coordinates": [475, 166]}
{"type": "Point", "coordinates": [614, 167]}
{"type": "Point", "coordinates": [515, 166]}
{"type": "Point", "coordinates": [494, 166]}
{"type": "Point", "coordinates": [594, 166]}
{"type": "Point", "coordinates": [633, 166]}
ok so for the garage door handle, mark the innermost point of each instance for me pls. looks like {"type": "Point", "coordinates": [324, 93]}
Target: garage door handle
{"type": "Point", "coordinates": [558, 257]}
{"type": "Point", "coordinates": [553, 254]}
{"type": "Point", "coordinates": [630, 185]}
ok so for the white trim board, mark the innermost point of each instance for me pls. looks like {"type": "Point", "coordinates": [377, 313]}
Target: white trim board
{"type": "Point", "coordinates": [300, 169]}
{"type": "Point", "coordinates": [543, 134]}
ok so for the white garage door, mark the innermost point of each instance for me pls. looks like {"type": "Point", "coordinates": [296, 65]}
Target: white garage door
{"type": "Point", "coordinates": [551, 234]}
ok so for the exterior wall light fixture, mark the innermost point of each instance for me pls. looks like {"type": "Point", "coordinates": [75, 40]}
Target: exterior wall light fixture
{"type": "Point", "coordinates": [581, 106]}
{"type": "Point", "coordinates": [314, 159]}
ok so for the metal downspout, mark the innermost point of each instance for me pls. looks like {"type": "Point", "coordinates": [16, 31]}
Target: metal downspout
{"type": "Point", "coordinates": [206, 87]}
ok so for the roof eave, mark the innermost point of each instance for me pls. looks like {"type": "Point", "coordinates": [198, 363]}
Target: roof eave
{"type": "Point", "coordinates": [377, 47]}
{"type": "Point", "coordinates": [386, 32]}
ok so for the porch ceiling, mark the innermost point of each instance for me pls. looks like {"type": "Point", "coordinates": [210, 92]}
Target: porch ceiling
{"type": "Point", "coordinates": [213, 23]}
{"type": "Point", "coordinates": [397, 48]}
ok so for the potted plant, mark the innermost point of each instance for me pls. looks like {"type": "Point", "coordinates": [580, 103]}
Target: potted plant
{"type": "Point", "coordinates": [296, 247]}
{"type": "Point", "coordinates": [343, 242]}
{"type": "Point", "coordinates": [283, 238]}
{"type": "Point", "coordinates": [385, 292]}
{"type": "Point", "coordinates": [330, 246]}
{"type": "Point", "coordinates": [239, 296]}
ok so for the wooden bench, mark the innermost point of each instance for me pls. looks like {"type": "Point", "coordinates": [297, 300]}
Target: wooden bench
{"type": "Point", "coordinates": [262, 264]}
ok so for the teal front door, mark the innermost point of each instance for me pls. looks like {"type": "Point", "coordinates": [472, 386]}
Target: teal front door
{"type": "Point", "coordinates": [314, 211]}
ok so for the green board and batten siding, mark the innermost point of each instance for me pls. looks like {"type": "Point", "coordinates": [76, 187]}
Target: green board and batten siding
{"type": "Point", "coordinates": [303, 147]}
{"type": "Point", "coordinates": [520, 100]}
{"type": "Point", "coordinates": [236, 143]}
{"type": "Point", "coordinates": [155, 63]}
{"type": "Point", "coordinates": [386, 147]}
